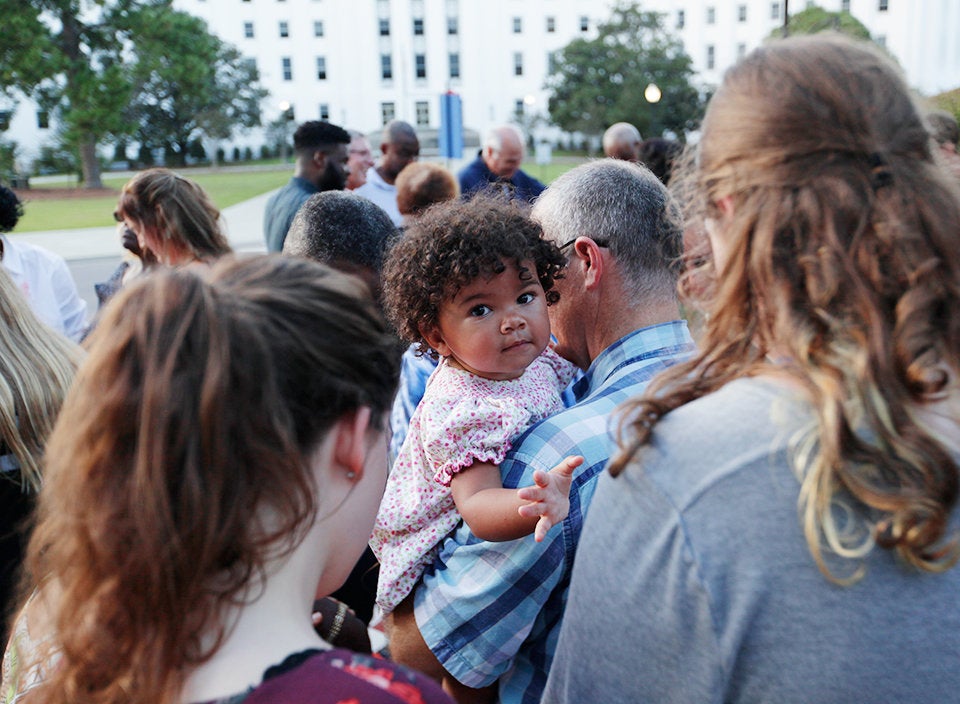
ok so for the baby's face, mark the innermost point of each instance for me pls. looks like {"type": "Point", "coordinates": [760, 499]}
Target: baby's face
{"type": "Point", "coordinates": [495, 327]}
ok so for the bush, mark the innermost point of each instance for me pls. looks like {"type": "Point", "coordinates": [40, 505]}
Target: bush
{"type": "Point", "coordinates": [248, 154]}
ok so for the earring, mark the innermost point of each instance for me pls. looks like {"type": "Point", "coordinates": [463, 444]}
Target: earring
{"type": "Point", "coordinates": [351, 475]}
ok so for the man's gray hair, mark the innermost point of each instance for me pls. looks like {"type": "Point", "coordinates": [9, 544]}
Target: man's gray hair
{"type": "Point", "coordinates": [625, 207]}
{"type": "Point", "coordinates": [339, 227]}
{"type": "Point", "coordinates": [494, 137]}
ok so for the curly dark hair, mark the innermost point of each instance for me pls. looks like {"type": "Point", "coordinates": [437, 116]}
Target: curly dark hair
{"type": "Point", "coordinates": [452, 244]}
{"type": "Point", "coordinates": [11, 209]}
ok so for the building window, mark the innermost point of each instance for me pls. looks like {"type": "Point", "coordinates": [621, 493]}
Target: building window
{"type": "Point", "coordinates": [551, 24]}
{"type": "Point", "coordinates": [884, 5]}
{"type": "Point", "coordinates": [518, 108]}
{"type": "Point", "coordinates": [387, 112]}
{"type": "Point", "coordinates": [845, 6]}
{"type": "Point", "coordinates": [318, 28]}
{"type": "Point", "coordinates": [423, 113]}
{"type": "Point", "coordinates": [248, 30]}
{"type": "Point", "coordinates": [284, 30]}
{"type": "Point", "coordinates": [287, 68]}
{"type": "Point", "coordinates": [420, 65]}
{"type": "Point", "coordinates": [881, 41]}
{"type": "Point", "coordinates": [454, 65]}
{"type": "Point", "coordinates": [5, 116]}
{"type": "Point", "coordinates": [517, 25]}
{"type": "Point", "coordinates": [324, 111]}
{"type": "Point", "coordinates": [711, 15]}
{"type": "Point", "coordinates": [384, 27]}
{"type": "Point", "coordinates": [418, 27]}
{"type": "Point", "coordinates": [681, 19]}
{"type": "Point", "coordinates": [453, 25]}
{"type": "Point", "coordinates": [386, 66]}
{"type": "Point", "coordinates": [321, 68]}
{"type": "Point", "coordinates": [710, 57]}
{"type": "Point", "coordinates": [741, 51]}
{"type": "Point", "coordinates": [774, 10]}
{"type": "Point", "coordinates": [741, 13]}
{"type": "Point", "coordinates": [551, 62]}
{"type": "Point", "coordinates": [43, 119]}
{"type": "Point", "coordinates": [584, 23]}
{"type": "Point", "coordinates": [518, 63]}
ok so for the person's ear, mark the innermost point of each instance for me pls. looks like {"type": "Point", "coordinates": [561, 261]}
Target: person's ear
{"type": "Point", "coordinates": [350, 442]}
{"type": "Point", "coordinates": [725, 205]}
{"type": "Point", "coordinates": [590, 256]}
{"type": "Point", "coordinates": [434, 338]}
{"type": "Point", "coordinates": [320, 160]}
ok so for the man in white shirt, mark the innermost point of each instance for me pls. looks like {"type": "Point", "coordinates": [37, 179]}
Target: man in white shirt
{"type": "Point", "coordinates": [43, 276]}
{"type": "Point", "coordinates": [399, 147]}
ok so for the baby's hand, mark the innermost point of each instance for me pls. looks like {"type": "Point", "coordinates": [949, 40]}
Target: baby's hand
{"type": "Point", "coordinates": [549, 496]}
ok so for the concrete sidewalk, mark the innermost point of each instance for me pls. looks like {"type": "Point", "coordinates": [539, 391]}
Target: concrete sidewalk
{"type": "Point", "coordinates": [243, 225]}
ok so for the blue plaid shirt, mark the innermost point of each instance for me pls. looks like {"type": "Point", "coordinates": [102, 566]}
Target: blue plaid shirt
{"type": "Point", "coordinates": [493, 610]}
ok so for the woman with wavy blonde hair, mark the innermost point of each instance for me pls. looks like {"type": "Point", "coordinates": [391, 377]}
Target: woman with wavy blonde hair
{"type": "Point", "coordinates": [782, 516]}
{"type": "Point", "coordinates": [37, 366]}
{"type": "Point", "coordinates": [220, 457]}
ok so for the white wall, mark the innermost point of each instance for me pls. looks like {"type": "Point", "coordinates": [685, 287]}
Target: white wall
{"type": "Point", "coordinates": [922, 34]}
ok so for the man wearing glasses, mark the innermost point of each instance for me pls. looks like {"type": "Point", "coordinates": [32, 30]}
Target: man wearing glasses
{"type": "Point", "coordinates": [490, 613]}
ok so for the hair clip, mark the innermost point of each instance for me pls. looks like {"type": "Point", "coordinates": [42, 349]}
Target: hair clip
{"type": "Point", "coordinates": [880, 174]}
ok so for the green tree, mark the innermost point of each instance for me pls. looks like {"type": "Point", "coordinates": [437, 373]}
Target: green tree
{"type": "Point", "coordinates": [814, 19]}
{"type": "Point", "coordinates": [67, 55]}
{"type": "Point", "coordinates": [190, 83]}
{"type": "Point", "coordinates": [597, 82]}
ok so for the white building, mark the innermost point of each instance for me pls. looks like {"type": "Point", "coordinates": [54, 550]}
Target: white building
{"type": "Point", "coordinates": [359, 63]}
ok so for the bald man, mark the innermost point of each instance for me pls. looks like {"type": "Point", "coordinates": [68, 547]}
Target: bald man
{"type": "Point", "coordinates": [399, 146]}
{"type": "Point", "coordinates": [498, 162]}
{"type": "Point", "coordinates": [622, 141]}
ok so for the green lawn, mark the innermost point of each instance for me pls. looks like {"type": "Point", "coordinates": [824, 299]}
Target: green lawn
{"type": "Point", "coordinates": [225, 189]}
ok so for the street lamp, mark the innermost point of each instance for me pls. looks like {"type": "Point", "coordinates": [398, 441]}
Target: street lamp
{"type": "Point", "coordinates": [652, 93]}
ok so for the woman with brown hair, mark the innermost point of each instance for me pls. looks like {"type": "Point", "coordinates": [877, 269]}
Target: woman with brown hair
{"type": "Point", "coordinates": [173, 218]}
{"type": "Point", "coordinates": [781, 525]}
{"type": "Point", "coordinates": [221, 454]}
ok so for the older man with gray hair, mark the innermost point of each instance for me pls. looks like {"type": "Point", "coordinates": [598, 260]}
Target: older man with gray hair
{"type": "Point", "coordinates": [498, 165]}
{"type": "Point", "coordinates": [490, 613]}
{"type": "Point", "coordinates": [622, 141]}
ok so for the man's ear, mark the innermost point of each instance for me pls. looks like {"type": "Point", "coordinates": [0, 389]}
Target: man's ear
{"type": "Point", "coordinates": [434, 338]}
{"type": "Point", "coordinates": [320, 159]}
{"type": "Point", "coordinates": [350, 442]}
{"type": "Point", "coordinates": [590, 255]}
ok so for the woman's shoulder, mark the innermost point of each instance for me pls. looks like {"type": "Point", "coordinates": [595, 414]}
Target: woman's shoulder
{"type": "Point", "coordinates": [331, 676]}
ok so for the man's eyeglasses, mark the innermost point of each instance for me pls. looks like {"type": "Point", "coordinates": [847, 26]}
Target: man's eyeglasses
{"type": "Point", "coordinates": [599, 243]}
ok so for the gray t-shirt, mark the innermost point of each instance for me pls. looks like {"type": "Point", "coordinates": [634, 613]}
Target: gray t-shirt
{"type": "Point", "coordinates": [693, 581]}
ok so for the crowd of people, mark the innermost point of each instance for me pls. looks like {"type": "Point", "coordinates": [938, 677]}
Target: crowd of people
{"type": "Point", "coordinates": [682, 425]}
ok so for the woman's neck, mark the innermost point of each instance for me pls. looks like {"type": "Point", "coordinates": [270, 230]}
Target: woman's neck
{"type": "Point", "coordinates": [264, 632]}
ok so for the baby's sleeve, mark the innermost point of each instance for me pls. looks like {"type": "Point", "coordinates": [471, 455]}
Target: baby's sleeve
{"type": "Point", "coordinates": [564, 370]}
{"type": "Point", "coordinates": [472, 430]}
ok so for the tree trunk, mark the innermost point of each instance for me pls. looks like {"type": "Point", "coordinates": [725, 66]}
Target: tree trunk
{"type": "Point", "coordinates": [90, 164]}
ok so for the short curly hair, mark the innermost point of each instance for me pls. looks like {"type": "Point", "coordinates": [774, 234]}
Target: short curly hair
{"type": "Point", "coordinates": [11, 209]}
{"type": "Point", "coordinates": [452, 244]}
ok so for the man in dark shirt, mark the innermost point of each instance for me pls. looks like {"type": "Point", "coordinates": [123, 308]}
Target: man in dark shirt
{"type": "Point", "coordinates": [321, 154]}
{"type": "Point", "coordinates": [499, 163]}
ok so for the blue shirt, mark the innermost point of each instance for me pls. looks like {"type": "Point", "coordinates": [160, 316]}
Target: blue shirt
{"type": "Point", "coordinates": [415, 369]}
{"type": "Point", "coordinates": [475, 176]}
{"type": "Point", "coordinates": [281, 209]}
{"type": "Point", "coordinates": [493, 610]}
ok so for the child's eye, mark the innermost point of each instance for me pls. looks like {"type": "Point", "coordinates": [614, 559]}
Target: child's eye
{"type": "Point", "coordinates": [527, 297]}
{"type": "Point", "coordinates": [479, 311]}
